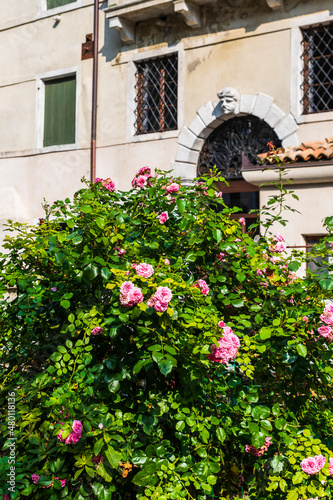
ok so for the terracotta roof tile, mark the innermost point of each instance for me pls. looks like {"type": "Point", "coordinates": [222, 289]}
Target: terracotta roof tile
{"type": "Point", "coordinates": [307, 151]}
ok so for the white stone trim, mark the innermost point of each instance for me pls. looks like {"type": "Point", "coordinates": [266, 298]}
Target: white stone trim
{"type": "Point", "coordinates": [40, 108]}
{"type": "Point", "coordinates": [131, 94]}
{"type": "Point", "coordinates": [210, 115]}
{"type": "Point", "coordinates": [299, 173]}
{"type": "Point", "coordinates": [296, 66]}
{"type": "Point", "coordinates": [125, 28]}
{"type": "Point", "coordinates": [275, 4]}
{"type": "Point", "coordinates": [43, 11]}
{"type": "Point", "coordinates": [189, 11]}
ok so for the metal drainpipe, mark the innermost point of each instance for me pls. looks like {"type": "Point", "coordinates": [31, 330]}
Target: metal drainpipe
{"type": "Point", "coordinates": [94, 96]}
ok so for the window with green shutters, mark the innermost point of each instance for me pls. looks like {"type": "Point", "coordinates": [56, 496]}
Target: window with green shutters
{"type": "Point", "coordinates": [52, 4]}
{"type": "Point", "coordinates": [60, 110]}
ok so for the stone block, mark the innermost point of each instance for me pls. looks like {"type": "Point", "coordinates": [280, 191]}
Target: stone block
{"type": "Point", "coordinates": [189, 140]}
{"type": "Point", "coordinates": [186, 155]}
{"type": "Point", "coordinates": [262, 105]}
{"type": "Point", "coordinates": [291, 140]}
{"type": "Point", "coordinates": [286, 127]}
{"type": "Point", "coordinates": [186, 171]}
{"type": "Point", "coordinates": [274, 116]}
{"type": "Point", "coordinates": [197, 126]}
{"type": "Point", "coordinates": [247, 102]}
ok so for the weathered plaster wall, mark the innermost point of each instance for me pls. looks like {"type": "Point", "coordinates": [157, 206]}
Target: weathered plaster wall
{"type": "Point", "coordinates": [241, 43]}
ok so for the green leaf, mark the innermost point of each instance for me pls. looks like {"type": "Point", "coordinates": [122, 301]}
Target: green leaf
{"type": "Point", "coordinates": [294, 265]}
{"type": "Point", "coordinates": [114, 385]}
{"type": "Point", "coordinates": [217, 235]}
{"type": "Point", "coordinates": [139, 365]}
{"type": "Point", "coordinates": [190, 257]}
{"type": "Point", "coordinates": [98, 446]}
{"type": "Point", "coordinates": [165, 366]}
{"type": "Point", "coordinates": [181, 205]}
{"type": "Point", "coordinates": [27, 491]}
{"type": "Point", "coordinates": [100, 222]}
{"type": "Point", "coordinates": [105, 273]}
{"type": "Point", "coordinates": [65, 304]}
{"type": "Point", "coordinates": [298, 477]}
{"type": "Point", "coordinates": [292, 495]}
{"type": "Point", "coordinates": [221, 434]}
{"type": "Point", "coordinates": [90, 271]}
{"type": "Point", "coordinates": [301, 350]}
{"type": "Point", "coordinates": [240, 276]}
{"type": "Point", "coordinates": [237, 302]}
{"type": "Point", "coordinates": [265, 333]}
{"type": "Point", "coordinates": [113, 456]}
{"type": "Point", "coordinates": [277, 464]}
{"type": "Point", "coordinates": [62, 349]}
{"type": "Point", "coordinates": [283, 485]}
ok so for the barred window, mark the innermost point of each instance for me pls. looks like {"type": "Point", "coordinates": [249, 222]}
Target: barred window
{"type": "Point", "coordinates": [317, 73]}
{"type": "Point", "coordinates": [156, 95]}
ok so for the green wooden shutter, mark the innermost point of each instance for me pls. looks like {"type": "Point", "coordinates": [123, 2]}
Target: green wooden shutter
{"type": "Point", "coordinates": [59, 116]}
{"type": "Point", "coordinates": [52, 4]}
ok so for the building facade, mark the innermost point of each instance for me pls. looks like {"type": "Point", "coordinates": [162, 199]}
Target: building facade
{"type": "Point", "coordinates": [182, 85]}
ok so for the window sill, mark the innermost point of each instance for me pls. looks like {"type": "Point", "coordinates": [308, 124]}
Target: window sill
{"type": "Point", "coordinates": [155, 136]}
{"type": "Point", "coordinates": [56, 149]}
{"type": "Point", "coordinates": [315, 117]}
{"type": "Point", "coordinates": [59, 10]}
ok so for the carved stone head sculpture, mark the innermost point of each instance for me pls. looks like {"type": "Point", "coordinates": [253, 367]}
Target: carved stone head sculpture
{"type": "Point", "coordinates": [229, 98]}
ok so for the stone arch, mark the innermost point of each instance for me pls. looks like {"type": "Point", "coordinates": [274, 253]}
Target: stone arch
{"type": "Point", "coordinates": [210, 115]}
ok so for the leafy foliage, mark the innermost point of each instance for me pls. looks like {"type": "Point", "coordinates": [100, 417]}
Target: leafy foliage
{"type": "Point", "coordinates": [160, 420]}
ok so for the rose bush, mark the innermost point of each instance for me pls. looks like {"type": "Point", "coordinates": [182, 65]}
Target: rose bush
{"type": "Point", "coordinates": [181, 366]}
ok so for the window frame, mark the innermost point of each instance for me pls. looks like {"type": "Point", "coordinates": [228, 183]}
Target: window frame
{"type": "Point", "coordinates": [40, 109]}
{"type": "Point", "coordinates": [131, 135]}
{"type": "Point", "coordinates": [296, 66]}
{"type": "Point", "coordinates": [43, 11]}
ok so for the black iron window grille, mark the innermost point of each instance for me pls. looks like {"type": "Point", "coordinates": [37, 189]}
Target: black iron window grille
{"type": "Point", "coordinates": [317, 72]}
{"type": "Point", "coordinates": [156, 95]}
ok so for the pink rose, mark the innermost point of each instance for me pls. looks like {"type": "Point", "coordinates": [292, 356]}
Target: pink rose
{"type": "Point", "coordinates": [144, 270]}
{"type": "Point", "coordinates": [203, 287]}
{"type": "Point", "coordinates": [330, 469]}
{"type": "Point", "coordinates": [242, 221]}
{"type": "Point", "coordinates": [163, 217]}
{"type": "Point", "coordinates": [121, 252]}
{"type": "Point", "coordinates": [324, 330]}
{"type": "Point", "coordinates": [35, 478]}
{"type": "Point", "coordinates": [305, 318]}
{"type": "Point", "coordinates": [134, 296]}
{"type": "Point", "coordinates": [110, 186]}
{"type": "Point", "coordinates": [163, 294]}
{"type": "Point", "coordinates": [258, 452]}
{"type": "Point", "coordinates": [173, 188]}
{"type": "Point", "coordinates": [312, 465]}
{"type": "Point", "coordinates": [54, 289]}
{"type": "Point", "coordinates": [77, 426]}
{"type": "Point", "coordinates": [100, 426]}
{"type": "Point", "coordinates": [279, 247]}
{"type": "Point", "coordinates": [221, 324]}
{"type": "Point", "coordinates": [97, 330]}
{"type": "Point", "coordinates": [327, 315]}
{"type": "Point", "coordinates": [167, 262]}
{"type": "Point", "coordinates": [278, 237]}
{"type": "Point", "coordinates": [227, 347]}
{"type": "Point", "coordinates": [144, 170]}
{"type": "Point", "coordinates": [218, 194]}
{"type": "Point", "coordinates": [126, 287]}
{"type": "Point", "coordinates": [160, 306]}
{"type": "Point", "coordinates": [141, 181]}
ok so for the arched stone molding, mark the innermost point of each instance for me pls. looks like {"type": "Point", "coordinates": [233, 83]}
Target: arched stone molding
{"type": "Point", "coordinates": [191, 139]}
